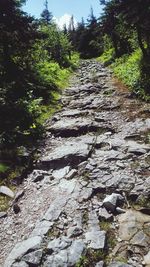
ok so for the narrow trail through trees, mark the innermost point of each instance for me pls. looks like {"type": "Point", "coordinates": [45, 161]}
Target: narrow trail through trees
{"type": "Point", "coordinates": [86, 203]}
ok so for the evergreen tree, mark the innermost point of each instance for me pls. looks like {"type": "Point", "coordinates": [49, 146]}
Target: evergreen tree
{"type": "Point", "coordinates": [19, 81]}
{"type": "Point", "coordinates": [46, 14]}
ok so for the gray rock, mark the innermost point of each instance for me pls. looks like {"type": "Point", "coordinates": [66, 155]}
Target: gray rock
{"type": "Point", "coordinates": [130, 223]}
{"type": "Point", "coordinates": [18, 195]}
{"type": "Point", "coordinates": [59, 260]}
{"type": "Point", "coordinates": [42, 228]}
{"type": "Point", "coordinates": [147, 259]}
{"type": "Point", "coordinates": [96, 239]}
{"type": "Point", "coordinates": [74, 113]}
{"type": "Point", "coordinates": [74, 231]}
{"type": "Point", "coordinates": [20, 264]}
{"type": "Point", "coordinates": [68, 153]}
{"type": "Point", "coordinates": [34, 257]}
{"type": "Point", "coordinates": [111, 201]}
{"type": "Point", "coordinates": [59, 244]}
{"type": "Point", "coordinates": [22, 248]}
{"type": "Point", "coordinates": [55, 208]}
{"type": "Point", "coordinates": [71, 174]}
{"type": "Point", "coordinates": [120, 211]}
{"type": "Point", "coordinates": [99, 264]}
{"type": "Point", "coordinates": [16, 208]}
{"type": "Point", "coordinates": [119, 264]}
{"type": "Point", "coordinates": [136, 148]}
{"type": "Point", "coordinates": [4, 190]}
{"type": "Point", "coordinates": [38, 175]}
{"type": "Point", "coordinates": [3, 214]}
{"type": "Point", "coordinates": [104, 215]}
{"type": "Point", "coordinates": [70, 127]}
{"type": "Point", "coordinates": [140, 239]}
{"type": "Point", "coordinates": [66, 256]}
{"type": "Point", "coordinates": [61, 173]}
{"type": "Point", "coordinates": [75, 252]}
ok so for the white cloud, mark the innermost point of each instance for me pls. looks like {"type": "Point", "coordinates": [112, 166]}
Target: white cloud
{"type": "Point", "coordinates": [65, 19]}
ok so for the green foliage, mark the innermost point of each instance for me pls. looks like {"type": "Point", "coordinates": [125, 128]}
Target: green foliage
{"type": "Point", "coordinates": [127, 68]}
{"type": "Point", "coordinates": [86, 38]}
{"type": "Point", "coordinates": [3, 168]}
{"type": "Point", "coordinates": [107, 57]}
{"type": "Point", "coordinates": [91, 258]}
{"type": "Point", "coordinates": [56, 45]}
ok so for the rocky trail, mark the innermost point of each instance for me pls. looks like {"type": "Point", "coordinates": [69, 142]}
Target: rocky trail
{"type": "Point", "coordinates": [86, 203]}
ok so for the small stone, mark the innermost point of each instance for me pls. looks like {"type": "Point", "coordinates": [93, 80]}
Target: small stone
{"type": "Point", "coordinates": [104, 215]}
{"type": "Point", "coordinates": [16, 208]}
{"type": "Point", "coordinates": [75, 252]}
{"type": "Point", "coordinates": [74, 231]}
{"type": "Point", "coordinates": [19, 195]}
{"type": "Point", "coordinates": [61, 173]}
{"type": "Point", "coordinates": [59, 244]}
{"type": "Point", "coordinates": [38, 175]}
{"type": "Point", "coordinates": [111, 201]}
{"type": "Point", "coordinates": [20, 264]}
{"type": "Point", "coordinates": [96, 239]}
{"type": "Point", "coordinates": [6, 191]}
{"type": "Point", "coordinates": [34, 257]}
{"type": "Point", "coordinates": [3, 214]}
{"type": "Point", "coordinates": [120, 211]}
{"type": "Point", "coordinates": [119, 264]}
{"type": "Point", "coordinates": [71, 174]}
{"type": "Point", "coordinates": [147, 259]}
{"type": "Point", "coordinates": [99, 264]}
{"type": "Point", "coordinates": [42, 228]}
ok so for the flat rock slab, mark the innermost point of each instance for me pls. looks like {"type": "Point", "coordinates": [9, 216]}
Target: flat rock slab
{"type": "Point", "coordinates": [3, 214]}
{"type": "Point", "coordinates": [70, 153]}
{"type": "Point", "coordinates": [4, 190]}
{"type": "Point", "coordinates": [20, 264]}
{"type": "Point", "coordinates": [95, 238]}
{"type": "Point", "coordinates": [34, 258]}
{"type": "Point", "coordinates": [68, 127]}
{"type": "Point", "coordinates": [56, 208]}
{"type": "Point", "coordinates": [66, 253]}
{"type": "Point", "coordinates": [131, 225]}
{"type": "Point", "coordinates": [61, 173]}
{"type": "Point", "coordinates": [42, 228]}
{"type": "Point", "coordinates": [74, 113]}
{"type": "Point", "coordinates": [119, 264]}
{"type": "Point", "coordinates": [22, 248]}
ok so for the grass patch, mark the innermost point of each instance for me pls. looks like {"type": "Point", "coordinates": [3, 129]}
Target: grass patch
{"type": "Point", "coordinates": [111, 237]}
{"type": "Point", "coordinates": [107, 57]}
{"type": "Point", "coordinates": [4, 203]}
{"type": "Point", "coordinates": [91, 258]}
{"type": "Point", "coordinates": [3, 168]}
{"type": "Point", "coordinates": [127, 68]}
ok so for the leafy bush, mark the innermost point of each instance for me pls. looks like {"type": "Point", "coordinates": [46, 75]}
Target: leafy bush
{"type": "Point", "coordinates": [127, 68]}
{"type": "Point", "coordinates": [107, 57]}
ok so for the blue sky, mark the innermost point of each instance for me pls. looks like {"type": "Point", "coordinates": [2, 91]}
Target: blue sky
{"type": "Point", "coordinates": [61, 8]}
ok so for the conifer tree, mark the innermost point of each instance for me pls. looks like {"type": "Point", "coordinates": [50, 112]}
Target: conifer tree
{"type": "Point", "coordinates": [46, 14]}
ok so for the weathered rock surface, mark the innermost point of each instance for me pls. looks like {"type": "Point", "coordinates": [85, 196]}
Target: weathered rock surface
{"type": "Point", "coordinates": [87, 200]}
{"type": "Point", "coordinates": [119, 264]}
{"type": "Point", "coordinates": [22, 248]}
{"type": "Point", "coordinates": [4, 190]}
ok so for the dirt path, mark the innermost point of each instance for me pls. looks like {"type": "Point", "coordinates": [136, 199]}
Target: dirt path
{"type": "Point", "coordinates": [86, 204]}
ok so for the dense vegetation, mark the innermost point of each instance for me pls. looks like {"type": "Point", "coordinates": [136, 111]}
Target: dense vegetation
{"type": "Point", "coordinates": [121, 37]}
{"type": "Point", "coordinates": [35, 63]}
